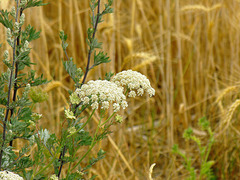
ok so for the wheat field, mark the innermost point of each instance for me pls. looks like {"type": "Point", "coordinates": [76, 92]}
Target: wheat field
{"type": "Point", "coordinates": [190, 51]}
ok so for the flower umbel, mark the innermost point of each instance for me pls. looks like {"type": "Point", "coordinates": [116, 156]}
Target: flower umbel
{"type": "Point", "coordinates": [9, 176]}
{"type": "Point", "coordinates": [38, 95]}
{"type": "Point", "coordinates": [135, 82]}
{"type": "Point", "coordinates": [54, 177]}
{"type": "Point", "coordinates": [119, 118]}
{"type": "Point", "coordinates": [69, 114]}
{"type": "Point", "coordinates": [100, 93]}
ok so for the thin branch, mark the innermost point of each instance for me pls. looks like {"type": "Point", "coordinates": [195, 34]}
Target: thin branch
{"type": "Point", "coordinates": [16, 73]}
{"type": "Point", "coordinates": [65, 51]}
{"type": "Point", "coordinates": [61, 159]}
{"type": "Point", "coordinates": [9, 93]}
{"type": "Point", "coordinates": [84, 78]}
{"type": "Point", "coordinates": [90, 50]}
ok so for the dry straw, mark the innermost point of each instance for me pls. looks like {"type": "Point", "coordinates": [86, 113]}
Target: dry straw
{"type": "Point", "coordinates": [201, 7]}
{"type": "Point", "coordinates": [150, 25]}
{"type": "Point", "coordinates": [144, 58]}
{"type": "Point", "coordinates": [151, 170]}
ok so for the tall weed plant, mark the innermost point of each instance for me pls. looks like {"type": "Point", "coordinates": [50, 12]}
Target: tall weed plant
{"type": "Point", "coordinates": [20, 91]}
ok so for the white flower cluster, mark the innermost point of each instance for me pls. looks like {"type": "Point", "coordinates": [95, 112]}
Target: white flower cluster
{"type": "Point", "coordinates": [135, 82]}
{"type": "Point", "coordinates": [100, 92]}
{"type": "Point", "coordinates": [6, 175]}
{"type": "Point", "coordinates": [54, 177]}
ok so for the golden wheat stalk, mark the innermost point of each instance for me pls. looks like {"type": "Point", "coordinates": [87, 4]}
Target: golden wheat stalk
{"type": "Point", "coordinates": [146, 59]}
{"type": "Point", "coordinates": [231, 110]}
{"type": "Point", "coordinates": [225, 92]}
{"type": "Point", "coordinates": [227, 118]}
{"type": "Point", "coordinates": [200, 7]}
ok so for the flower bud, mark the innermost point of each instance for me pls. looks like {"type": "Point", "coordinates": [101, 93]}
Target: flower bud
{"type": "Point", "coordinates": [13, 11]}
{"type": "Point", "coordinates": [36, 116]}
{"type": "Point", "coordinates": [69, 114]}
{"type": "Point", "coordinates": [23, 2]}
{"type": "Point", "coordinates": [9, 34]}
{"type": "Point", "coordinates": [54, 177]}
{"type": "Point", "coordinates": [26, 44]}
{"type": "Point", "coordinates": [16, 28]}
{"type": "Point", "coordinates": [22, 19]}
{"type": "Point", "coordinates": [119, 118]}
{"type": "Point", "coordinates": [38, 95]}
{"type": "Point", "coordinates": [6, 54]}
{"type": "Point", "coordinates": [72, 130]}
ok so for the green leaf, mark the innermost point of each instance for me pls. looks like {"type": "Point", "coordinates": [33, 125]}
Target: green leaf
{"type": "Point", "coordinates": [4, 19]}
{"type": "Point", "coordinates": [23, 60]}
{"type": "Point", "coordinates": [74, 72]}
{"type": "Point", "coordinates": [44, 135]}
{"type": "Point", "coordinates": [206, 167]}
{"type": "Point", "coordinates": [95, 44]}
{"type": "Point", "coordinates": [100, 58]}
{"type": "Point", "coordinates": [175, 148]}
{"type": "Point", "coordinates": [24, 114]}
{"type": "Point", "coordinates": [34, 3]}
{"type": "Point", "coordinates": [3, 94]}
{"type": "Point", "coordinates": [204, 123]}
{"type": "Point", "coordinates": [108, 76]}
{"type": "Point", "coordinates": [63, 37]}
{"type": "Point", "coordinates": [30, 34]}
{"type": "Point", "coordinates": [188, 133]}
{"type": "Point", "coordinates": [36, 81]}
{"type": "Point", "coordinates": [100, 155]}
{"type": "Point", "coordinates": [90, 33]}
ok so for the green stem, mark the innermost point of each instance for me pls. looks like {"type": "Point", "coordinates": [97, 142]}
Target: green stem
{"type": "Point", "coordinates": [82, 125]}
{"type": "Point", "coordinates": [91, 146]}
{"type": "Point", "coordinates": [84, 156]}
{"type": "Point", "coordinates": [210, 144]}
{"type": "Point", "coordinates": [50, 163]}
{"type": "Point", "coordinates": [9, 93]}
{"type": "Point", "coordinates": [108, 119]}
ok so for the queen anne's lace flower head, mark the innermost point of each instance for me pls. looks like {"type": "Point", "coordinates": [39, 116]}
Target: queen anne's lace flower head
{"type": "Point", "coordinates": [135, 82]}
{"type": "Point", "coordinates": [100, 93]}
{"type": "Point", "coordinates": [7, 175]}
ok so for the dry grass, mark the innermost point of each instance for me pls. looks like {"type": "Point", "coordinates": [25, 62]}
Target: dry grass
{"type": "Point", "coordinates": [189, 50]}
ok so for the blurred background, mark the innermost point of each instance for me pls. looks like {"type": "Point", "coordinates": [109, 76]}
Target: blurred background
{"type": "Point", "coordinates": [190, 52]}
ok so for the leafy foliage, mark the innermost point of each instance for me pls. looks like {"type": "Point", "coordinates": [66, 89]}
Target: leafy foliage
{"type": "Point", "coordinates": [34, 3]}
{"type": "Point", "coordinates": [74, 72]}
{"type": "Point", "coordinates": [206, 165]}
{"type": "Point", "coordinates": [19, 121]}
{"type": "Point", "coordinates": [4, 19]}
